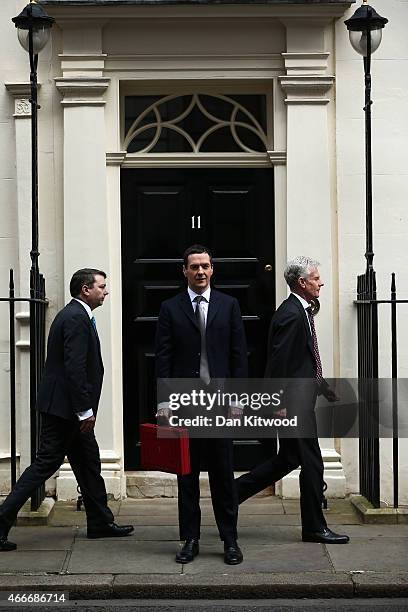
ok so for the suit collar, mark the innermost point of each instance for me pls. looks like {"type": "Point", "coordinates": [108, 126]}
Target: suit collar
{"type": "Point", "coordinates": [85, 306]}
{"type": "Point", "coordinates": [213, 306]}
{"type": "Point", "coordinates": [187, 307]}
{"type": "Point", "coordinates": [80, 307]}
{"type": "Point", "coordinates": [192, 294]}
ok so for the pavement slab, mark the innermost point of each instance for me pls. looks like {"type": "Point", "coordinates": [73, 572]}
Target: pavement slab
{"type": "Point", "coordinates": [32, 561]}
{"type": "Point", "coordinates": [287, 558]}
{"type": "Point", "coordinates": [123, 556]}
{"type": "Point", "coordinates": [375, 554]}
{"type": "Point", "coordinates": [44, 538]}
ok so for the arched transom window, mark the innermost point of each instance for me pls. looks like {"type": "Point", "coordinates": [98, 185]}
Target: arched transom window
{"type": "Point", "coordinates": [196, 123]}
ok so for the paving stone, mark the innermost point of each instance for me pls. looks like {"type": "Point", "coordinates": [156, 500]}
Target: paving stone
{"type": "Point", "coordinates": [375, 554]}
{"type": "Point", "coordinates": [260, 520]}
{"type": "Point", "coordinates": [43, 538]}
{"type": "Point", "coordinates": [374, 531]}
{"type": "Point", "coordinates": [32, 561]}
{"type": "Point", "coordinates": [171, 520]}
{"type": "Point", "coordinates": [152, 507]}
{"type": "Point", "coordinates": [145, 533]}
{"type": "Point", "coordinates": [291, 557]}
{"type": "Point", "coordinates": [123, 556]}
{"type": "Point", "coordinates": [342, 519]}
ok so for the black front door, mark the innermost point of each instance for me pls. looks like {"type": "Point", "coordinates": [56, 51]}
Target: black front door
{"type": "Point", "coordinates": [163, 212]}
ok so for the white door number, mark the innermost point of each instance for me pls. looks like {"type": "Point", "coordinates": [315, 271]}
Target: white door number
{"type": "Point", "coordinates": [193, 222]}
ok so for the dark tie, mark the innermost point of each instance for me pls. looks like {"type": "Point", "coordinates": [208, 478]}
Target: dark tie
{"type": "Point", "coordinates": [94, 324]}
{"type": "Point", "coordinates": [204, 370]}
{"type": "Point", "coordinates": [319, 372]}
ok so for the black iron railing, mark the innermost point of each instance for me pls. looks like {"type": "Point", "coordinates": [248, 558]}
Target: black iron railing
{"type": "Point", "coordinates": [38, 304]}
{"type": "Point", "coordinates": [367, 331]}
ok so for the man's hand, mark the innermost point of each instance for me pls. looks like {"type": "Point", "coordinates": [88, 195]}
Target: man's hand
{"type": "Point", "coordinates": [87, 425]}
{"type": "Point", "coordinates": [162, 416]}
{"type": "Point", "coordinates": [330, 395]}
{"type": "Point", "coordinates": [235, 412]}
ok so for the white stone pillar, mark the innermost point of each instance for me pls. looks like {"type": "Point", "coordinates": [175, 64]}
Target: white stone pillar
{"type": "Point", "coordinates": [309, 200]}
{"type": "Point", "coordinates": [22, 116]}
{"type": "Point", "coordinates": [87, 235]}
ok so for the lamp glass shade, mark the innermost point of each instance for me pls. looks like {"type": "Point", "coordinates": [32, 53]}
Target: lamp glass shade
{"type": "Point", "coordinates": [358, 40]}
{"type": "Point", "coordinates": [41, 36]}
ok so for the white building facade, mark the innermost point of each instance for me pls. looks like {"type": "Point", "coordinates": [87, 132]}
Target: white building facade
{"type": "Point", "coordinates": [111, 77]}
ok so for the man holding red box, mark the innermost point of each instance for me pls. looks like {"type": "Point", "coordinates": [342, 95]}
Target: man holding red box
{"type": "Point", "coordinates": [200, 335]}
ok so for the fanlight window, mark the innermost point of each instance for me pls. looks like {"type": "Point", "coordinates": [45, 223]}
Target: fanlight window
{"type": "Point", "coordinates": [197, 123]}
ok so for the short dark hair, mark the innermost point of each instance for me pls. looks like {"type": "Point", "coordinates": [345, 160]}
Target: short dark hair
{"type": "Point", "coordinates": [86, 276]}
{"type": "Point", "coordinates": [196, 249]}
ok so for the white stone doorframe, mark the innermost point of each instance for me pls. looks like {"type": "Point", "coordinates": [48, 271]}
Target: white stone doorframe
{"type": "Point", "coordinates": [303, 190]}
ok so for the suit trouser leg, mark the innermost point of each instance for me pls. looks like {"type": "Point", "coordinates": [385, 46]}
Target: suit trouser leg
{"type": "Point", "coordinates": [83, 455]}
{"type": "Point", "coordinates": [270, 471]}
{"type": "Point", "coordinates": [292, 453]}
{"type": "Point", "coordinates": [55, 437]}
{"type": "Point", "coordinates": [311, 485]}
{"type": "Point", "coordinates": [189, 495]}
{"type": "Point", "coordinates": [223, 491]}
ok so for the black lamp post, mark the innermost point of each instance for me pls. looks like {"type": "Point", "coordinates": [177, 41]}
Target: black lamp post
{"type": "Point", "coordinates": [34, 29]}
{"type": "Point", "coordinates": [365, 31]}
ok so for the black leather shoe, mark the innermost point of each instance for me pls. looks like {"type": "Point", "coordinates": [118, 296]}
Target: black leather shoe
{"type": "Point", "coordinates": [232, 554]}
{"type": "Point", "coordinates": [325, 536]}
{"type": "Point", "coordinates": [6, 545]}
{"type": "Point", "coordinates": [111, 530]}
{"type": "Point", "coordinates": [190, 550]}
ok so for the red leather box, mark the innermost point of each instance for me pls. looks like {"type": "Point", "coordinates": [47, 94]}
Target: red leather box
{"type": "Point", "coordinates": [167, 451]}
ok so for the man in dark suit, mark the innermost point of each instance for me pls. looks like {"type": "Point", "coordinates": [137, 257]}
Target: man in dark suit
{"type": "Point", "coordinates": [200, 335]}
{"type": "Point", "coordinates": [68, 399]}
{"type": "Point", "coordinates": [293, 353]}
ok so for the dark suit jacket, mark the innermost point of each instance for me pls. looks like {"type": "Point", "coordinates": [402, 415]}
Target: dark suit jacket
{"type": "Point", "coordinates": [290, 356]}
{"type": "Point", "coordinates": [73, 372]}
{"type": "Point", "coordinates": [178, 339]}
{"type": "Point", "coordinates": [290, 347]}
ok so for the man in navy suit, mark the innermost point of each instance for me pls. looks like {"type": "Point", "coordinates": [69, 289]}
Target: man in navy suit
{"type": "Point", "coordinates": [200, 335]}
{"type": "Point", "coordinates": [293, 353]}
{"type": "Point", "coordinates": [68, 399]}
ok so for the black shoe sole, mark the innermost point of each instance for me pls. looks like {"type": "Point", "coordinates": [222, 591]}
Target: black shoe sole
{"type": "Point", "coordinates": [318, 541]}
{"type": "Point", "coordinates": [8, 548]}
{"type": "Point", "coordinates": [237, 562]}
{"type": "Point", "coordinates": [92, 536]}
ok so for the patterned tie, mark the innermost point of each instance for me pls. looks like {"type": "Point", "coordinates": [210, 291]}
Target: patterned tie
{"type": "Point", "coordinates": [199, 314]}
{"type": "Point", "coordinates": [319, 372]}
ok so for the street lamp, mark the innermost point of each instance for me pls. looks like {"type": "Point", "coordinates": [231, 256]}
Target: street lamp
{"type": "Point", "coordinates": [365, 32]}
{"type": "Point", "coordinates": [34, 29]}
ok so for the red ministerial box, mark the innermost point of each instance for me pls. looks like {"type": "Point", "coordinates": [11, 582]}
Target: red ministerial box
{"type": "Point", "coordinates": [167, 450]}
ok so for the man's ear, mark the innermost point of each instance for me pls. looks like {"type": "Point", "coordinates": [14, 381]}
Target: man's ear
{"type": "Point", "coordinates": [85, 289]}
{"type": "Point", "coordinates": [184, 271]}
